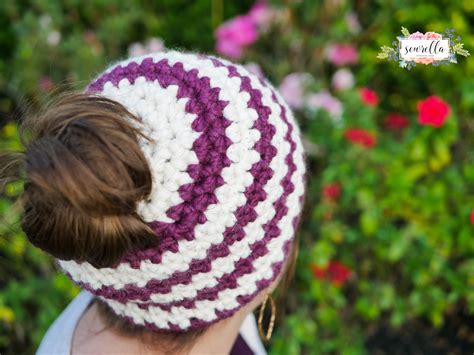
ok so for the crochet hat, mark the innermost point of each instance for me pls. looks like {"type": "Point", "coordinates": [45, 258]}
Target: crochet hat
{"type": "Point", "coordinates": [228, 172]}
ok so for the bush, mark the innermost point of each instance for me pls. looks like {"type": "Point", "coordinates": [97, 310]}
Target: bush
{"type": "Point", "coordinates": [387, 233]}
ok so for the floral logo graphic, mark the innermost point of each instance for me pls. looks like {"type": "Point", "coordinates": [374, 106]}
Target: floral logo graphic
{"type": "Point", "coordinates": [424, 48]}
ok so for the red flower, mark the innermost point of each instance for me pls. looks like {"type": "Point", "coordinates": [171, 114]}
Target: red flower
{"type": "Point", "coordinates": [336, 272]}
{"type": "Point", "coordinates": [318, 271]}
{"type": "Point", "coordinates": [369, 97]}
{"type": "Point", "coordinates": [433, 111]}
{"type": "Point", "coordinates": [395, 121]}
{"type": "Point", "coordinates": [360, 136]}
{"type": "Point", "coordinates": [332, 191]}
{"type": "Point", "coordinates": [472, 217]}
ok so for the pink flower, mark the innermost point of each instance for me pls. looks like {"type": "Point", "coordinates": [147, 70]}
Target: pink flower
{"type": "Point", "coordinates": [342, 54]}
{"type": "Point", "coordinates": [369, 97]}
{"type": "Point", "coordinates": [46, 84]}
{"type": "Point", "coordinates": [433, 111]}
{"type": "Point", "coordinates": [331, 191]}
{"type": "Point", "coordinates": [261, 14]}
{"type": "Point", "coordinates": [396, 121]}
{"type": "Point", "coordinates": [343, 79]}
{"type": "Point", "coordinates": [229, 49]}
{"type": "Point", "coordinates": [416, 35]}
{"type": "Point", "coordinates": [433, 35]}
{"type": "Point", "coordinates": [326, 101]}
{"type": "Point", "coordinates": [292, 89]}
{"type": "Point", "coordinates": [425, 61]}
{"type": "Point", "coordinates": [336, 272]}
{"type": "Point", "coordinates": [232, 36]}
{"type": "Point", "coordinates": [361, 137]}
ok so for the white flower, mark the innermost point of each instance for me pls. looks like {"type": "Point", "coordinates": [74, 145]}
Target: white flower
{"type": "Point", "coordinates": [53, 38]}
{"type": "Point", "coordinates": [343, 79]}
{"type": "Point", "coordinates": [44, 21]}
{"type": "Point", "coordinates": [151, 45]}
{"type": "Point", "coordinates": [292, 88]}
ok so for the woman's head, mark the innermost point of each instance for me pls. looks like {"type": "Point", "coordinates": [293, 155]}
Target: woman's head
{"type": "Point", "coordinates": [171, 189]}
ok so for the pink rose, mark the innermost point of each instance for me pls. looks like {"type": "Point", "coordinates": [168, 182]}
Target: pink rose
{"type": "Point", "coordinates": [416, 35]}
{"type": "Point", "coordinates": [229, 49]}
{"type": "Point", "coordinates": [232, 36]}
{"type": "Point", "coordinates": [261, 14]}
{"type": "Point", "coordinates": [433, 111]}
{"type": "Point", "coordinates": [361, 137]}
{"type": "Point", "coordinates": [368, 96]}
{"type": "Point", "coordinates": [433, 35]}
{"type": "Point", "coordinates": [342, 54]}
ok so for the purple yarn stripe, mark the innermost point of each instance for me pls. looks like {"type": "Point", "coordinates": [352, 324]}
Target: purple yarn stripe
{"type": "Point", "coordinates": [243, 266]}
{"type": "Point", "coordinates": [243, 300]}
{"type": "Point", "coordinates": [210, 149]}
{"type": "Point", "coordinates": [259, 249]}
{"type": "Point", "coordinates": [245, 214]}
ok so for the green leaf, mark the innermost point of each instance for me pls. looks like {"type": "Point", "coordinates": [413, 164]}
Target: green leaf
{"type": "Point", "coordinates": [405, 32]}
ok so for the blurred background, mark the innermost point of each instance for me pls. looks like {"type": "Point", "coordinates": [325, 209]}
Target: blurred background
{"type": "Point", "coordinates": [386, 263]}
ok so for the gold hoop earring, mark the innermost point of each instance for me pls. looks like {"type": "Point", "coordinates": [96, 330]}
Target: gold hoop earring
{"type": "Point", "coordinates": [266, 336]}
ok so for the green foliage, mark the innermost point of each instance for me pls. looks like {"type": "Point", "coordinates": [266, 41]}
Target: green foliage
{"type": "Point", "coordinates": [402, 221]}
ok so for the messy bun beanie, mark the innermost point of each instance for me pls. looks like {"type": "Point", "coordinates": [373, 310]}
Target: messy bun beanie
{"type": "Point", "coordinates": [228, 173]}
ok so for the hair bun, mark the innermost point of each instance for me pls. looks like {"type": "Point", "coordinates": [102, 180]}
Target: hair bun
{"type": "Point", "coordinates": [85, 176]}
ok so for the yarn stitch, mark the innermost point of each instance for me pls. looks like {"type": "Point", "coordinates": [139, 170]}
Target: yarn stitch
{"type": "Point", "coordinates": [229, 178]}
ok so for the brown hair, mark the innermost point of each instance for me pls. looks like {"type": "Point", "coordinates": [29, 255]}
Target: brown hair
{"type": "Point", "coordinates": [84, 175]}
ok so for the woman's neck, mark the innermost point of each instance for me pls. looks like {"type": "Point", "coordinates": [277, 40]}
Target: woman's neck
{"type": "Point", "coordinates": [93, 336]}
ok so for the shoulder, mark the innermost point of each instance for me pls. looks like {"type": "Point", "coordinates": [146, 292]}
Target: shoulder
{"type": "Point", "coordinates": [57, 339]}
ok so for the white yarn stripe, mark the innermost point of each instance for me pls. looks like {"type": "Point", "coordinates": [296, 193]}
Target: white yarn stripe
{"type": "Point", "coordinates": [206, 310]}
{"type": "Point", "coordinates": [264, 209]}
{"type": "Point", "coordinates": [169, 125]}
{"type": "Point", "coordinates": [230, 195]}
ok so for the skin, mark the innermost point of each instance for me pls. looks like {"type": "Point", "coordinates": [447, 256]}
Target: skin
{"type": "Point", "coordinates": [89, 337]}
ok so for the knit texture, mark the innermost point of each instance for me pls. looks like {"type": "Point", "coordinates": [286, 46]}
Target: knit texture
{"type": "Point", "coordinates": [228, 172]}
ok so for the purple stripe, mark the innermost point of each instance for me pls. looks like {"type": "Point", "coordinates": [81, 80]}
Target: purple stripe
{"type": "Point", "coordinates": [245, 214]}
{"type": "Point", "coordinates": [243, 266]}
{"type": "Point", "coordinates": [259, 249]}
{"type": "Point", "coordinates": [210, 149]}
{"type": "Point", "coordinates": [242, 299]}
